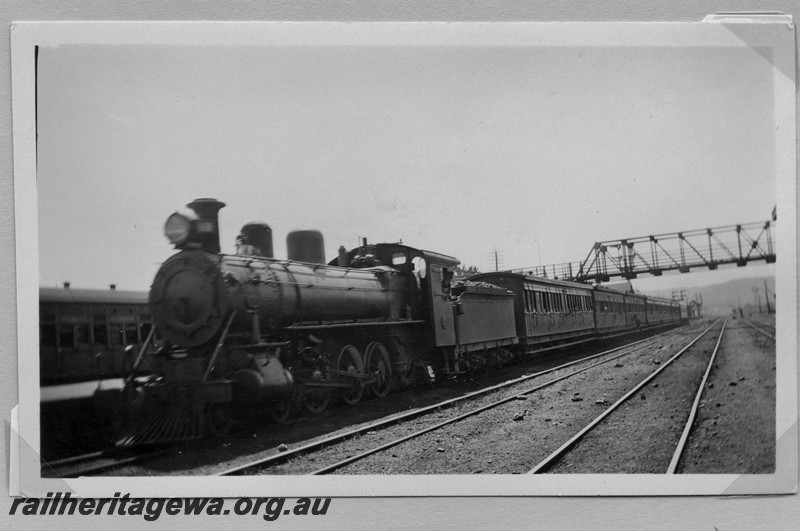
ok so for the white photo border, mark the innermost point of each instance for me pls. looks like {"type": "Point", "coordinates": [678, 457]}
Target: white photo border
{"type": "Point", "coordinates": [775, 36]}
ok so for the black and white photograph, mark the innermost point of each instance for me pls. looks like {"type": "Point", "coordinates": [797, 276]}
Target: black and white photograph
{"type": "Point", "coordinates": [413, 258]}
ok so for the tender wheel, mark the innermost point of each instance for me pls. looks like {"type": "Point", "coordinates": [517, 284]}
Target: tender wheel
{"type": "Point", "coordinates": [350, 362]}
{"type": "Point", "coordinates": [379, 367]}
{"type": "Point", "coordinates": [316, 400]}
{"type": "Point", "coordinates": [218, 421]}
{"type": "Point", "coordinates": [475, 363]}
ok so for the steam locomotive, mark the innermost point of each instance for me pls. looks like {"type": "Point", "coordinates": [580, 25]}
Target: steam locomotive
{"type": "Point", "coordinates": [247, 333]}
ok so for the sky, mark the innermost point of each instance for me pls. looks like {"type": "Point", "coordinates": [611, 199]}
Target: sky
{"type": "Point", "coordinates": [533, 152]}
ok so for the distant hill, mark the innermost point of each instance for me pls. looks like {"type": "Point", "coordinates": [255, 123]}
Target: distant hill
{"type": "Point", "coordinates": [723, 298]}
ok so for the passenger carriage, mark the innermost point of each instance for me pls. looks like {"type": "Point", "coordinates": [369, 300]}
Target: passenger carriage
{"type": "Point", "coordinates": [83, 333]}
{"type": "Point", "coordinates": [546, 311]}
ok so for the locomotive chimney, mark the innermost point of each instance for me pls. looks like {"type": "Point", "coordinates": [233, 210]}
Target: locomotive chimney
{"type": "Point", "coordinates": [66, 285]}
{"type": "Point", "coordinates": [256, 238]}
{"type": "Point", "coordinates": [208, 226]}
{"type": "Point", "coordinates": [112, 287]}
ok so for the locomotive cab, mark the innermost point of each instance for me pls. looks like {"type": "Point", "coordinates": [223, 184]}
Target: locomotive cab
{"type": "Point", "coordinates": [428, 277]}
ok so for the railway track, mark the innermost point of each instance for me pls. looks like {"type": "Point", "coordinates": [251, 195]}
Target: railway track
{"type": "Point", "coordinates": [90, 463]}
{"type": "Point", "coordinates": [262, 465]}
{"type": "Point", "coordinates": [100, 462]}
{"type": "Point", "coordinates": [551, 460]}
{"type": "Point", "coordinates": [762, 329]}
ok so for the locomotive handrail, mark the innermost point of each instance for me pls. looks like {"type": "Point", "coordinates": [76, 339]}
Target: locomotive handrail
{"type": "Point", "coordinates": [140, 356]}
{"type": "Point", "coordinates": [222, 338]}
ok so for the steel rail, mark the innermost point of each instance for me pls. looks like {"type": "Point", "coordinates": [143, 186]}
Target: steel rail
{"type": "Point", "coordinates": [93, 463]}
{"type": "Point", "coordinates": [548, 461]}
{"type": "Point", "coordinates": [293, 452]}
{"type": "Point", "coordinates": [760, 330]}
{"type": "Point", "coordinates": [74, 459]}
{"type": "Point", "coordinates": [470, 413]}
{"type": "Point", "coordinates": [673, 464]}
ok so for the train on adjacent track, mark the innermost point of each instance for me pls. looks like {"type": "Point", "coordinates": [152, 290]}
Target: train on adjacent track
{"type": "Point", "coordinates": [246, 333]}
{"type": "Point", "coordinates": [89, 334]}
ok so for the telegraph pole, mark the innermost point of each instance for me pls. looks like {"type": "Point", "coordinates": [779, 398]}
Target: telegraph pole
{"type": "Point", "coordinates": [766, 296]}
{"type": "Point", "coordinates": [757, 298]}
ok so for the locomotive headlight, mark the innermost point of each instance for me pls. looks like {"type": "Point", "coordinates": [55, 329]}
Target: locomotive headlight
{"type": "Point", "coordinates": [179, 226]}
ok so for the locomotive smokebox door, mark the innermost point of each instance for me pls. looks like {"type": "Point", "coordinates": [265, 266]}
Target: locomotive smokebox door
{"type": "Point", "coordinates": [186, 299]}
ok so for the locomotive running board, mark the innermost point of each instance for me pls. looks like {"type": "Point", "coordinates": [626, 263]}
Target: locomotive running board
{"type": "Point", "coordinates": [350, 325]}
{"type": "Point", "coordinates": [163, 427]}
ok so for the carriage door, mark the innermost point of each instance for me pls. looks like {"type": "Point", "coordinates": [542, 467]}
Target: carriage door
{"type": "Point", "coordinates": [441, 307]}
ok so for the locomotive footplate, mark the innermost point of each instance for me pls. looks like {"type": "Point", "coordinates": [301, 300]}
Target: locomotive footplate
{"type": "Point", "coordinates": [176, 395]}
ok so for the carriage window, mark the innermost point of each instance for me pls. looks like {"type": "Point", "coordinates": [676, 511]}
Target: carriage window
{"type": "Point", "coordinates": [116, 335]}
{"type": "Point", "coordinates": [83, 334]}
{"type": "Point", "coordinates": [131, 334]}
{"type": "Point", "coordinates": [99, 329]}
{"type": "Point", "coordinates": [100, 334]}
{"type": "Point", "coordinates": [66, 336]}
{"type": "Point", "coordinates": [47, 334]}
{"type": "Point", "coordinates": [144, 330]}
